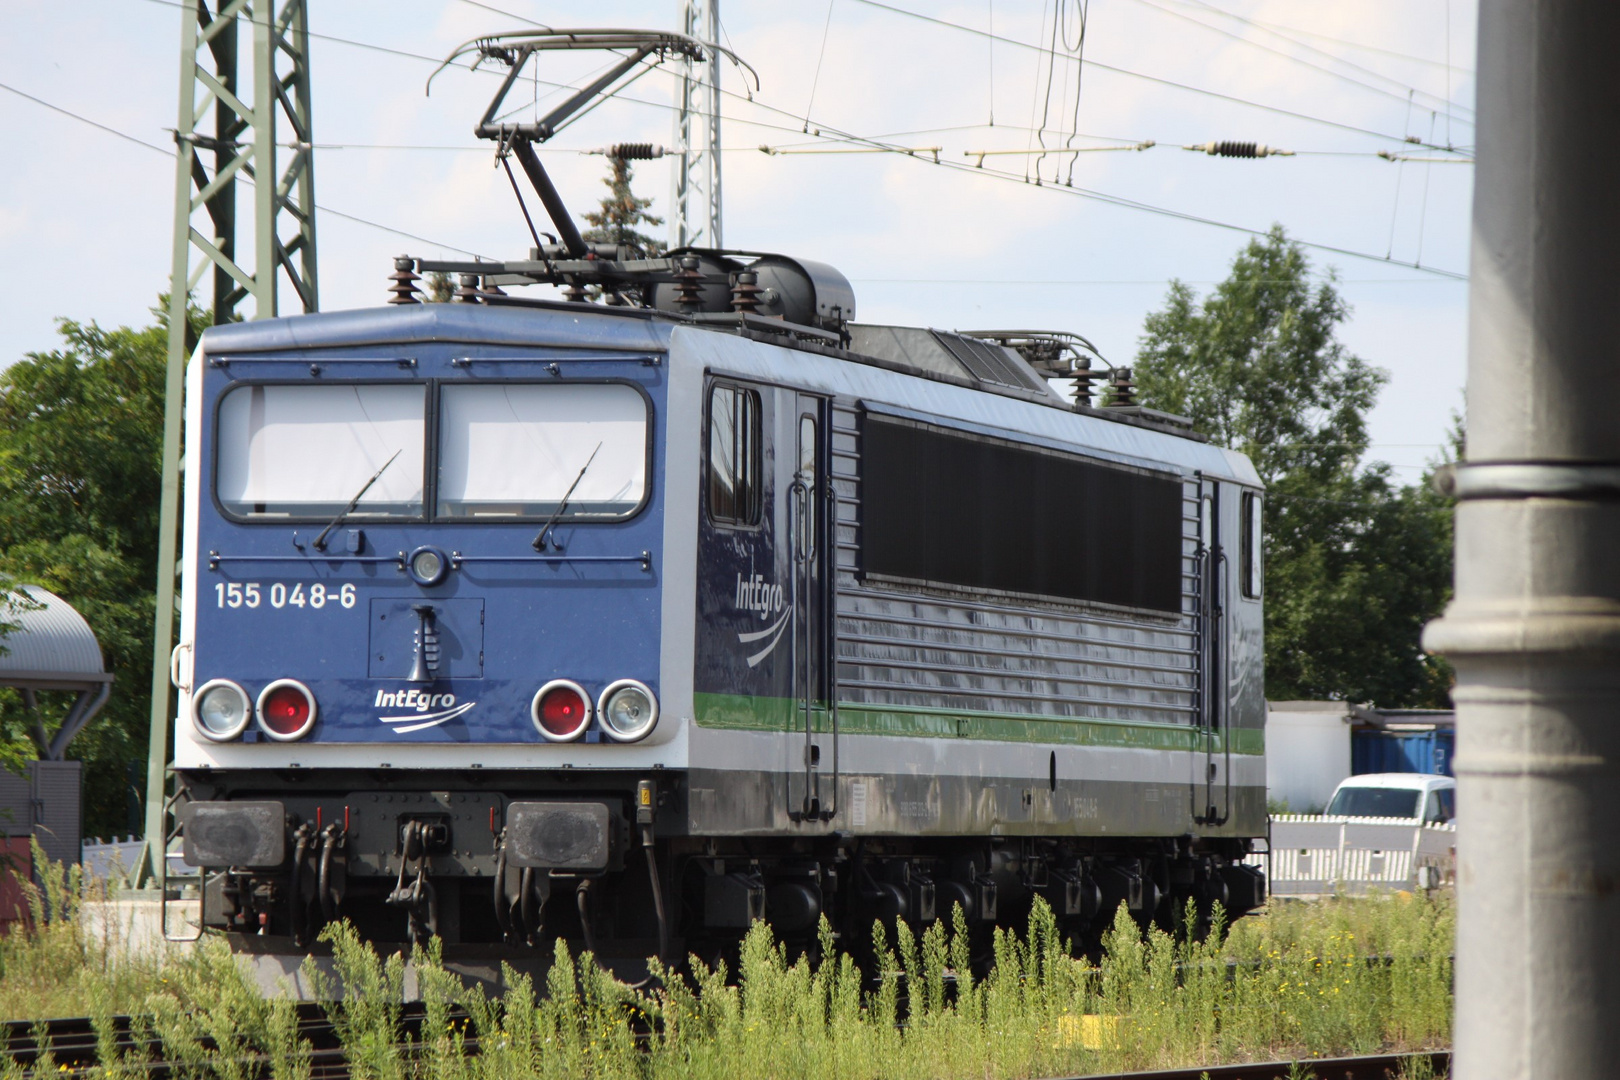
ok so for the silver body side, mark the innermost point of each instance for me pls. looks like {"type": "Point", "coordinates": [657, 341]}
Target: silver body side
{"type": "Point", "coordinates": [967, 712]}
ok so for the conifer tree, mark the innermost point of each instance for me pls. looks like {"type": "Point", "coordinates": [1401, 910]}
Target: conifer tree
{"type": "Point", "coordinates": [621, 212]}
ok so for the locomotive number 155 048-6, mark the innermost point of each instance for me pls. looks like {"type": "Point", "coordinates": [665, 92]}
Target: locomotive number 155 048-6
{"type": "Point", "coordinates": [251, 594]}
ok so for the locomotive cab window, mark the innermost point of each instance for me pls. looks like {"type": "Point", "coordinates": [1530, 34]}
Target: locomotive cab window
{"type": "Point", "coordinates": [734, 455]}
{"type": "Point", "coordinates": [807, 477]}
{"type": "Point", "coordinates": [532, 449]}
{"type": "Point", "coordinates": [303, 451]}
{"type": "Point", "coordinates": [1252, 563]}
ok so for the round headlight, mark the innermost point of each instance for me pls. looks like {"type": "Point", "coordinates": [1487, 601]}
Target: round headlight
{"type": "Point", "coordinates": [561, 711]}
{"type": "Point", "coordinates": [428, 566]}
{"type": "Point", "coordinates": [628, 710]}
{"type": "Point", "coordinates": [286, 710]}
{"type": "Point", "coordinates": [220, 710]}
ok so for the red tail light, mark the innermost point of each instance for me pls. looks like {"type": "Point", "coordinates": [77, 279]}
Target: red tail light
{"type": "Point", "coordinates": [561, 710]}
{"type": "Point", "coordinates": [286, 710]}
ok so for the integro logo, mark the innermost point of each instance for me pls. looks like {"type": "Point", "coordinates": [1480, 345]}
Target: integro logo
{"type": "Point", "coordinates": [420, 704]}
{"type": "Point", "coordinates": [758, 596]}
{"type": "Point", "coordinates": [754, 593]}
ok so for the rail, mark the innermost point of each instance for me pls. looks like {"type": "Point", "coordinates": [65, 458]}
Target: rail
{"type": "Point", "coordinates": [1366, 1067]}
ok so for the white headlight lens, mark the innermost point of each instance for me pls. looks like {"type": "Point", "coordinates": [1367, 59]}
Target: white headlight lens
{"type": "Point", "coordinates": [628, 710]}
{"type": "Point", "coordinates": [221, 710]}
{"type": "Point", "coordinates": [426, 565]}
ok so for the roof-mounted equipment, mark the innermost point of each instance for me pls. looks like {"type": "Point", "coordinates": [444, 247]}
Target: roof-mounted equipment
{"type": "Point", "coordinates": [755, 291]}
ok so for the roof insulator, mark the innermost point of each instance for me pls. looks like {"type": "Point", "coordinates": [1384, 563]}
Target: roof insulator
{"type": "Point", "coordinates": [404, 280]}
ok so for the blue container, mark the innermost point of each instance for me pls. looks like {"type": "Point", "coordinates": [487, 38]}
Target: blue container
{"type": "Point", "coordinates": [1402, 751]}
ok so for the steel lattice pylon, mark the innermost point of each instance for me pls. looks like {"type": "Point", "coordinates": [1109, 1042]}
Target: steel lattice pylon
{"type": "Point", "coordinates": [221, 138]}
{"type": "Point", "coordinates": [694, 218]}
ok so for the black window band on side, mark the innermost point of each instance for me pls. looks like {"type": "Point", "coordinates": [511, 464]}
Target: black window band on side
{"type": "Point", "coordinates": [956, 510]}
{"type": "Point", "coordinates": [1252, 534]}
{"type": "Point", "coordinates": [734, 455]}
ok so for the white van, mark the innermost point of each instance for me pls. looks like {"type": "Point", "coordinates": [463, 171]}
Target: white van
{"type": "Point", "coordinates": [1419, 797]}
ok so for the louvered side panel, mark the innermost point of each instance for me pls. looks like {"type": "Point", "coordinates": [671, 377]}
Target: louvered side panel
{"type": "Point", "coordinates": [917, 646]}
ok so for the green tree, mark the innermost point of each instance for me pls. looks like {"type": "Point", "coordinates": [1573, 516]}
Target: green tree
{"type": "Point", "coordinates": [440, 289]}
{"type": "Point", "coordinates": [620, 212]}
{"type": "Point", "coordinates": [81, 430]}
{"type": "Point", "coordinates": [1355, 563]}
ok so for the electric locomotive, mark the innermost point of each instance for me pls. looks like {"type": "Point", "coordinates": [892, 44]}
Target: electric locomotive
{"type": "Point", "coordinates": [689, 600]}
{"type": "Point", "coordinates": [502, 621]}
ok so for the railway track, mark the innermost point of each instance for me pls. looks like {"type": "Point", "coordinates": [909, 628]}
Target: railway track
{"type": "Point", "coordinates": [72, 1046]}
{"type": "Point", "coordinates": [1366, 1067]}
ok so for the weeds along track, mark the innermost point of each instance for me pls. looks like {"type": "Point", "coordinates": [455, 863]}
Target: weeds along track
{"type": "Point", "coordinates": [73, 1047]}
{"type": "Point", "coordinates": [79, 1045]}
{"type": "Point", "coordinates": [1306, 983]}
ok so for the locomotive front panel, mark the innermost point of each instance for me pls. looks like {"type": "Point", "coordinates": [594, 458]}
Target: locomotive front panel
{"type": "Point", "coordinates": [421, 637]}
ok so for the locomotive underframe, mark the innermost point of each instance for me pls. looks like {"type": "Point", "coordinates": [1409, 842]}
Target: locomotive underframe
{"type": "Point", "coordinates": [404, 855]}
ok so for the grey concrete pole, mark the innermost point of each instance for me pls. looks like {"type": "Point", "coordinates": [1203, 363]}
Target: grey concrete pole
{"type": "Point", "coordinates": [1534, 630]}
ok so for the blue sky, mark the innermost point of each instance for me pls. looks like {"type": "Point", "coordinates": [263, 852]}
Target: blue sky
{"type": "Point", "coordinates": [85, 216]}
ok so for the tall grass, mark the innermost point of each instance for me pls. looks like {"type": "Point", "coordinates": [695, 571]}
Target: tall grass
{"type": "Point", "coordinates": [1341, 976]}
{"type": "Point", "coordinates": [55, 962]}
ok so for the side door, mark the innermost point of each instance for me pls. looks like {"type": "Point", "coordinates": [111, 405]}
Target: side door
{"type": "Point", "coordinates": [1212, 787]}
{"type": "Point", "coordinates": [803, 487]}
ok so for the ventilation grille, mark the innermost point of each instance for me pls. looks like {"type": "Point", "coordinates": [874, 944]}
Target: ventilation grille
{"type": "Point", "coordinates": [988, 363]}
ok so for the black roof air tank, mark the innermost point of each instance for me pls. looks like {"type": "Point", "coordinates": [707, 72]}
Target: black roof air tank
{"type": "Point", "coordinates": [798, 291]}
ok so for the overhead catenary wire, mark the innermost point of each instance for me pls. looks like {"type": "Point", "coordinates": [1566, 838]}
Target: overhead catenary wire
{"type": "Point", "coordinates": [1159, 282]}
{"type": "Point", "coordinates": [911, 151]}
{"type": "Point", "coordinates": [1084, 8]}
{"type": "Point", "coordinates": [1099, 65]}
{"type": "Point", "coordinates": [1159, 7]}
{"type": "Point", "coordinates": [1282, 30]}
{"type": "Point", "coordinates": [809, 124]}
{"type": "Point", "coordinates": [980, 155]}
{"type": "Point", "coordinates": [826, 28]}
{"type": "Point", "coordinates": [323, 208]}
{"type": "Point", "coordinates": [1105, 197]}
{"type": "Point", "coordinates": [842, 136]}
{"type": "Point", "coordinates": [991, 42]}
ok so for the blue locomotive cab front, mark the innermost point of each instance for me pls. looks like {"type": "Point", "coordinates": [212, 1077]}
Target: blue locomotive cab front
{"type": "Point", "coordinates": [422, 588]}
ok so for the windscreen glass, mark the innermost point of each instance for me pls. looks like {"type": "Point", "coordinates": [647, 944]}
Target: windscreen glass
{"type": "Point", "coordinates": [1375, 802]}
{"type": "Point", "coordinates": [530, 449]}
{"type": "Point", "coordinates": [305, 451]}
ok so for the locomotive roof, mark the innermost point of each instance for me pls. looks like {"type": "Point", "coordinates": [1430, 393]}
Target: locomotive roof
{"type": "Point", "coordinates": [1017, 402]}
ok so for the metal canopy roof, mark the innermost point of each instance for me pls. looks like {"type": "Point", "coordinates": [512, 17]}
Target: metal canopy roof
{"type": "Point", "coordinates": [52, 647]}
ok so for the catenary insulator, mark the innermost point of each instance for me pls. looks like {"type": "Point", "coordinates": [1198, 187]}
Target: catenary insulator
{"type": "Point", "coordinates": [635, 151]}
{"type": "Point", "coordinates": [1232, 149]}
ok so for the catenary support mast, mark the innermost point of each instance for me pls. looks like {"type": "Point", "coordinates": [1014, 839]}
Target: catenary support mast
{"type": "Point", "coordinates": [254, 129]}
{"type": "Point", "coordinates": [694, 219]}
{"type": "Point", "coordinates": [1534, 631]}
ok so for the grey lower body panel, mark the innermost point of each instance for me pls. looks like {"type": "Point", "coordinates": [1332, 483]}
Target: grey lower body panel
{"type": "Point", "coordinates": [760, 803]}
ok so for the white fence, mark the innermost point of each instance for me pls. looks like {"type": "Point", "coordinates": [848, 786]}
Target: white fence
{"type": "Point", "coordinates": [1314, 855]}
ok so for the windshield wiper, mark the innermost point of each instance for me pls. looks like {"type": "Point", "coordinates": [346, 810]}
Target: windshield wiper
{"type": "Point", "coordinates": [320, 541]}
{"type": "Point", "coordinates": [539, 543]}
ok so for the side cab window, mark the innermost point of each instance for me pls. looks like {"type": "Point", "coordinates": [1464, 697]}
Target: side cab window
{"type": "Point", "coordinates": [735, 454]}
{"type": "Point", "coordinates": [1252, 561]}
